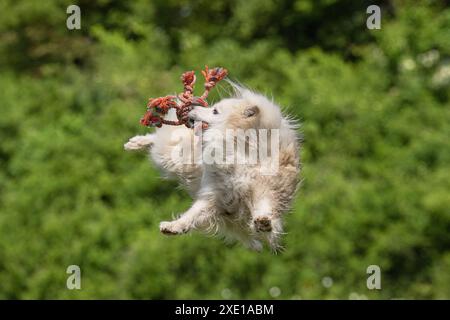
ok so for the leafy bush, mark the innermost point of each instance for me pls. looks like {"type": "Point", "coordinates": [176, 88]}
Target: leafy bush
{"type": "Point", "coordinates": [375, 111]}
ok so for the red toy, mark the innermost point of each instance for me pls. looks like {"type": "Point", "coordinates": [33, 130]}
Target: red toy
{"type": "Point", "coordinates": [184, 102]}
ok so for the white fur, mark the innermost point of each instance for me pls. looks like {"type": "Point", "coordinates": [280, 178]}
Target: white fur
{"type": "Point", "coordinates": [234, 200]}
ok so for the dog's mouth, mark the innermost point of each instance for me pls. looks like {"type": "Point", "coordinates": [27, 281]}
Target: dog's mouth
{"type": "Point", "coordinates": [191, 122]}
{"type": "Point", "coordinates": [198, 126]}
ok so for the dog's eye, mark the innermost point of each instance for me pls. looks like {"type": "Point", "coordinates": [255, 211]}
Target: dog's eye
{"type": "Point", "coordinates": [215, 111]}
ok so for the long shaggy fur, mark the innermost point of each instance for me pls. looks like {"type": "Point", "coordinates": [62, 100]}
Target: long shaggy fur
{"type": "Point", "coordinates": [233, 200]}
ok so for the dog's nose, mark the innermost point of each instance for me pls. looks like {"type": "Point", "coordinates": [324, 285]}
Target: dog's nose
{"type": "Point", "coordinates": [191, 121]}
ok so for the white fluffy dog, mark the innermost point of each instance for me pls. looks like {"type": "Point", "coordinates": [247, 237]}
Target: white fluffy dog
{"type": "Point", "coordinates": [237, 198]}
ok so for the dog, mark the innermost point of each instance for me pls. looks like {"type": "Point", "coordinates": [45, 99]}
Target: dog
{"type": "Point", "coordinates": [240, 200]}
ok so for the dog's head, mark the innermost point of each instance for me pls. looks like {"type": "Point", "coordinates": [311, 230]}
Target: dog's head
{"type": "Point", "coordinates": [244, 111]}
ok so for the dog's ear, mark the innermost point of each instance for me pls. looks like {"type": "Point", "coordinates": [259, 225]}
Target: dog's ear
{"type": "Point", "coordinates": [251, 111]}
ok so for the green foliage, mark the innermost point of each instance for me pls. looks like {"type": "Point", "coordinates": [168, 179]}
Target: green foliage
{"type": "Point", "coordinates": [375, 110]}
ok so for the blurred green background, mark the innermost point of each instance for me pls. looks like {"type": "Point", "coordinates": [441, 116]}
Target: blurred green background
{"type": "Point", "coordinates": [376, 178]}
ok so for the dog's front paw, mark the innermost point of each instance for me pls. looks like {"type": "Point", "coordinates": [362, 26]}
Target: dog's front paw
{"type": "Point", "coordinates": [262, 224]}
{"type": "Point", "coordinates": [139, 143]}
{"type": "Point", "coordinates": [172, 228]}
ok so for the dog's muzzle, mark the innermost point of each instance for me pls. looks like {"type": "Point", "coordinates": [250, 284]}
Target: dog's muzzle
{"type": "Point", "coordinates": [191, 122]}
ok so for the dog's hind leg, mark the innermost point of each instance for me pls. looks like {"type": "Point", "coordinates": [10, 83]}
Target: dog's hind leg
{"type": "Point", "coordinates": [201, 216]}
{"type": "Point", "coordinates": [262, 215]}
{"type": "Point", "coordinates": [140, 142]}
{"type": "Point", "coordinates": [273, 237]}
{"type": "Point", "coordinates": [266, 222]}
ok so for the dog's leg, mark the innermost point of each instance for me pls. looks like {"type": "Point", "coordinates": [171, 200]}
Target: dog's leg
{"type": "Point", "coordinates": [266, 222]}
{"type": "Point", "coordinates": [200, 216]}
{"type": "Point", "coordinates": [140, 142]}
{"type": "Point", "coordinates": [262, 215]}
{"type": "Point", "coordinates": [273, 237]}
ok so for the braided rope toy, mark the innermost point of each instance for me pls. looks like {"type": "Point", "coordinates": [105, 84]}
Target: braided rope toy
{"type": "Point", "coordinates": [157, 108]}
